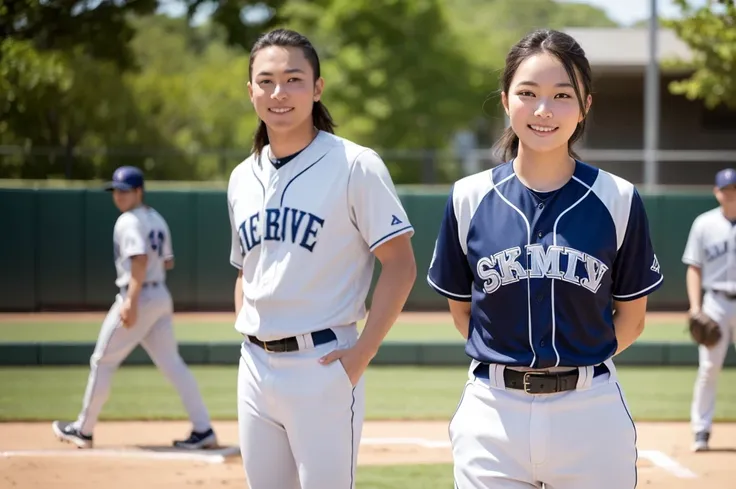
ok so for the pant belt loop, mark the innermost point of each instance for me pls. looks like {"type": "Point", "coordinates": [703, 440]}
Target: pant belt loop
{"type": "Point", "coordinates": [307, 339]}
{"type": "Point", "coordinates": [585, 378]}
{"type": "Point", "coordinates": [495, 376]}
{"type": "Point", "coordinates": [301, 341]}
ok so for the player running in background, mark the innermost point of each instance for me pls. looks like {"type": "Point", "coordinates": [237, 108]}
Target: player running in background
{"type": "Point", "coordinates": [546, 262]}
{"type": "Point", "coordinates": [310, 212]}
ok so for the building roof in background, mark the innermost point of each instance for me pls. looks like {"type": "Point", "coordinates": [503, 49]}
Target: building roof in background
{"type": "Point", "coordinates": [627, 47]}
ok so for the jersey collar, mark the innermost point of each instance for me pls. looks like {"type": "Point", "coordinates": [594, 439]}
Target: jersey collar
{"type": "Point", "coordinates": [317, 148]}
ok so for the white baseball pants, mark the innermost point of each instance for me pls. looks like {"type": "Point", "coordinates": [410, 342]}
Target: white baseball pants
{"type": "Point", "coordinates": [508, 439]}
{"type": "Point", "coordinates": [154, 332]}
{"type": "Point", "coordinates": [300, 422]}
{"type": "Point", "coordinates": [710, 360]}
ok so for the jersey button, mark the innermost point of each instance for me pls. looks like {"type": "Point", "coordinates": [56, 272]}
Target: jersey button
{"type": "Point", "coordinates": [539, 234]}
{"type": "Point", "coordinates": [542, 343]}
{"type": "Point", "coordinates": [541, 205]}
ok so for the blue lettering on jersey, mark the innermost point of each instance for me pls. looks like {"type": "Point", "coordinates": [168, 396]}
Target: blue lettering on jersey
{"type": "Point", "coordinates": [156, 238]}
{"type": "Point", "coordinates": [395, 220]}
{"type": "Point", "coordinates": [715, 250]}
{"type": "Point", "coordinates": [281, 224]}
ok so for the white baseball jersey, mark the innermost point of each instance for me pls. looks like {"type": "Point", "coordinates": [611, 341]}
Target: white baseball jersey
{"type": "Point", "coordinates": [137, 232]}
{"type": "Point", "coordinates": [303, 235]}
{"type": "Point", "coordinates": [710, 246]}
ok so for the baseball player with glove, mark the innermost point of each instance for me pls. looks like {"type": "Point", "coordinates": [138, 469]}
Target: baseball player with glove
{"type": "Point", "coordinates": [709, 255]}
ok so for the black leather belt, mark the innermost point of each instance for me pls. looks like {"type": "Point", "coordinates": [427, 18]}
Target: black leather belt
{"type": "Point", "coordinates": [727, 295]}
{"type": "Point", "coordinates": [291, 344]}
{"type": "Point", "coordinates": [539, 382]}
{"type": "Point", "coordinates": [145, 285]}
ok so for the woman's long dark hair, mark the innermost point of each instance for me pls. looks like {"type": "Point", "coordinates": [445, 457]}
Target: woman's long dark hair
{"type": "Point", "coordinates": [572, 57]}
{"type": "Point", "coordinates": [321, 117]}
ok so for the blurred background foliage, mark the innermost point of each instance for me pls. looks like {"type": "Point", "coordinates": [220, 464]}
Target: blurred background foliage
{"type": "Point", "coordinates": [86, 86]}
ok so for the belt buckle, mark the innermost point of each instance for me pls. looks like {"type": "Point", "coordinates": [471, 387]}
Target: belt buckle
{"type": "Point", "coordinates": [527, 383]}
{"type": "Point", "coordinates": [527, 375]}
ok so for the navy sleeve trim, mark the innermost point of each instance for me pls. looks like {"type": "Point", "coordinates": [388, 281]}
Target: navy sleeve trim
{"type": "Point", "coordinates": [448, 294]}
{"type": "Point", "coordinates": [641, 293]}
{"type": "Point", "coordinates": [692, 262]}
{"type": "Point", "coordinates": [392, 233]}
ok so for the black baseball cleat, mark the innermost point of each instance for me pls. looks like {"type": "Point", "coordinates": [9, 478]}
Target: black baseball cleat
{"type": "Point", "coordinates": [204, 439]}
{"type": "Point", "coordinates": [69, 433]}
{"type": "Point", "coordinates": [701, 441]}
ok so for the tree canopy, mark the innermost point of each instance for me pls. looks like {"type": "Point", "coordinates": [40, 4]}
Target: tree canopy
{"type": "Point", "coordinates": [87, 86]}
{"type": "Point", "coordinates": [710, 33]}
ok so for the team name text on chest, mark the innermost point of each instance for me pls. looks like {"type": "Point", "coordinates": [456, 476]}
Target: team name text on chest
{"type": "Point", "coordinates": [280, 224]}
{"type": "Point", "coordinates": [505, 268]}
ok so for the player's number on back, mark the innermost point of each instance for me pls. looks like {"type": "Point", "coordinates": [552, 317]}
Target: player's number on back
{"type": "Point", "coordinates": [156, 239]}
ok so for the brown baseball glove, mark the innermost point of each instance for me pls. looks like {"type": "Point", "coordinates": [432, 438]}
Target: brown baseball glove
{"type": "Point", "coordinates": [703, 330]}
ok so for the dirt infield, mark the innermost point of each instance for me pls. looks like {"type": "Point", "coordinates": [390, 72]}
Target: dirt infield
{"type": "Point", "coordinates": [134, 455]}
{"type": "Point", "coordinates": [217, 317]}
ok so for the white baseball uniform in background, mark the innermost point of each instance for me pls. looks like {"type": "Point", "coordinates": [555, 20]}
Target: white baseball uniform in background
{"type": "Point", "coordinates": [710, 246]}
{"type": "Point", "coordinates": [303, 236]}
{"type": "Point", "coordinates": [141, 231]}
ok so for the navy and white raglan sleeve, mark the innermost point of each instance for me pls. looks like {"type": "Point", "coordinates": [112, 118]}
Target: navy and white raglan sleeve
{"type": "Point", "coordinates": [636, 270]}
{"type": "Point", "coordinates": [693, 254]}
{"type": "Point", "coordinates": [449, 272]}
{"type": "Point", "coordinates": [375, 208]}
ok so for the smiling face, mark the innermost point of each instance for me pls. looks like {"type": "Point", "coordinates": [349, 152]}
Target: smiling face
{"type": "Point", "coordinates": [283, 89]}
{"type": "Point", "coordinates": [541, 104]}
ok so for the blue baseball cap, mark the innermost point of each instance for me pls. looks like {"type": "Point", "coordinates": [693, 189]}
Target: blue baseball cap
{"type": "Point", "coordinates": [726, 177]}
{"type": "Point", "coordinates": [126, 178]}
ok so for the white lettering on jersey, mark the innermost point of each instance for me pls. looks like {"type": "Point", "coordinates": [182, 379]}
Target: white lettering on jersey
{"type": "Point", "coordinates": [504, 267]}
{"type": "Point", "coordinates": [655, 265]}
{"type": "Point", "coordinates": [284, 224]}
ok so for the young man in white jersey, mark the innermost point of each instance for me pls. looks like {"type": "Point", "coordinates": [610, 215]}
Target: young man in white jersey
{"type": "Point", "coordinates": [310, 212]}
{"type": "Point", "coordinates": [710, 255]}
{"type": "Point", "coordinates": [142, 314]}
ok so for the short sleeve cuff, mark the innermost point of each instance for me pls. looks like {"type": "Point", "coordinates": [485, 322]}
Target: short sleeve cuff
{"type": "Point", "coordinates": [392, 234]}
{"type": "Point", "coordinates": [133, 252]}
{"type": "Point", "coordinates": [450, 295]}
{"type": "Point", "coordinates": [237, 265]}
{"type": "Point", "coordinates": [641, 293]}
{"type": "Point", "coordinates": [692, 261]}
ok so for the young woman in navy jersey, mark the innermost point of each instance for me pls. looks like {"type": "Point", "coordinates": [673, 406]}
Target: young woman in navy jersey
{"type": "Point", "coordinates": [546, 262]}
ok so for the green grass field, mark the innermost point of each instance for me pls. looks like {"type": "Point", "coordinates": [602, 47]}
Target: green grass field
{"type": "Point", "coordinates": [222, 331]}
{"type": "Point", "coordinates": [428, 476]}
{"type": "Point", "coordinates": [394, 393]}
{"type": "Point", "coordinates": [419, 393]}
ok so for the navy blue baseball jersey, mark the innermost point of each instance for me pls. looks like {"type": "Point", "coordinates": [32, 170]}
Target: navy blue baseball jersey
{"type": "Point", "coordinates": [541, 269]}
